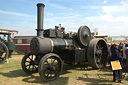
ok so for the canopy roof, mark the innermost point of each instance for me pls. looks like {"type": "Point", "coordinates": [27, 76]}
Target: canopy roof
{"type": "Point", "coordinates": [5, 31]}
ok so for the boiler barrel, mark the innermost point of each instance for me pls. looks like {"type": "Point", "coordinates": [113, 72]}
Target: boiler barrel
{"type": "Point", "coordinates": [44, 45]}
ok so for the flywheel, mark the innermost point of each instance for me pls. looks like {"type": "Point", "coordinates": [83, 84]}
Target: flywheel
{"type": "Point", "coordinates": [84, 35]}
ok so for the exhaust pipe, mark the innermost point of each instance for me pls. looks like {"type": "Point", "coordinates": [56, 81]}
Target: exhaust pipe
{"type": "Point", "coordinates": [40, 17]}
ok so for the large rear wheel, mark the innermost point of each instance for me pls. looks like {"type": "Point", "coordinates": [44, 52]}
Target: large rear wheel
{"type": "Point", "coordinates": [97, 53]}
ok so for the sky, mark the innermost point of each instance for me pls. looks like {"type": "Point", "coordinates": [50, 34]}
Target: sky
{"type": "Point", "coordinates": [107, 17]}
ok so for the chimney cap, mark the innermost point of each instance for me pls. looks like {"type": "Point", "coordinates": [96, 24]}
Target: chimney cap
{"type": "Point", "coordinates": [40, 4]}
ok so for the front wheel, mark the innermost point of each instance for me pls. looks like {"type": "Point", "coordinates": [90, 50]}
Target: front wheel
{"type": "Point", "coordinates": [30, 63]}
{"type": "Point", "coordinates": [50, 67]}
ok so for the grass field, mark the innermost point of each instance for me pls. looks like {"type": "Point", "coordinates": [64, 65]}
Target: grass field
{"type": "Point", "coordinates": [12, 74]}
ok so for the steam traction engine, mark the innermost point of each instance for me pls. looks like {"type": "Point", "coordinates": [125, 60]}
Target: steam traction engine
{"type": "Point", "coordinates": [51, 46]}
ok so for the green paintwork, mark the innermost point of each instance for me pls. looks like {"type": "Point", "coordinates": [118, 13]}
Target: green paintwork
{"type": "Point", "coordinates": [10, 45]}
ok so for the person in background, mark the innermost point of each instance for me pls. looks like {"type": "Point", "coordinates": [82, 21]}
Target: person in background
{"type": "Point", "coordinates": [109, 53]}
{"type": "Point", "coordinates": [120, 46]}
{"type": "Point", "coordinates": [126, 53]}
{"type": "Point", "coordinates": [115, 55]}
{"type": "Point", "coordinates": [5, 38]}
{"type": "Point", "coordinates": [124, 56]}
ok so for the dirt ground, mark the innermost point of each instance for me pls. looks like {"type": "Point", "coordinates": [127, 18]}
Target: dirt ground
{"type": "Point", "coordinates": [11, 73]}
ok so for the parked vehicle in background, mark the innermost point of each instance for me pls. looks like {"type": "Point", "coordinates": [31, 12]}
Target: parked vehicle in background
{"type": "Point", "coordinates": [22, 44]}
{"type": "Point", "coordinates": [7, 46]}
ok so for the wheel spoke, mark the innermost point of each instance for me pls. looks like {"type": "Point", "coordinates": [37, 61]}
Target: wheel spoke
{"type": "Point", "coordinates": [51, 74]}
{"type": "Point", "coordinates": [46, 66]}
{"type": "Point", "coordinates": [102, 47]}
{"type": "Point", "coordinates": [57, 64]}
{"type": "Point", "coordinates": [29, 58]}
{"type": "Point", "coordinates": [27, 61]}
{"type": "Point", "coordinates": [99, 56]}
{"type": "Point", "coordinates": [97, 46]}
{"type": "Point", "coordinates": [48, 73]}
{"type": "Point", "coordinates": [98, 61]}
{"type": "Point", "coordinates": [53, 61]}
{"type": "Point", "coordinates": [29, 67]}
{"type": "Point", "coordinates": [47, 63]}
{"type": "Point", "coordinates": [34, 66]}
{"type": "Point", "coordinates": [32, 57]}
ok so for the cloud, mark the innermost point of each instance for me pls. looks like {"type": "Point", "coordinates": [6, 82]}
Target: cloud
{"type": "Point", "coordinates": [109, 18]}
{"type": "Point", "coordinates": [120, 8]}
{"type": "Point", "coordinates": [112, 13]}
{"type": "Point", "coordinates": [108, 9]}
{"type": "Point", "coordinates": [124, 2]}
{"type": "Point", "coordinates": [106, 18]}
{"type": "Point", "coordinates": [50, 13]}
{"type": "Point", "coordinates": [105, 2]}
{"type": "Point", "coordinates": [23, 28]}
{"type": "Point", "coordinates": [59, 6]}
{"type": "Point", "coordinates": [15, 13]}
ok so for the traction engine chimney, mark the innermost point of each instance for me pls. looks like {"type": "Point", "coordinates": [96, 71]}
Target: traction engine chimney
{"type": "Point", "coordinates": [40, 17]}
